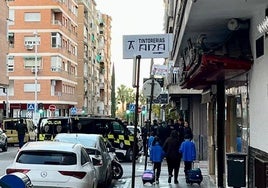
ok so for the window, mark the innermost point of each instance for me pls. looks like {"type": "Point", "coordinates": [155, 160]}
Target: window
{"type": "Point", "coordinates": [56, 62]}
{"type": "Point", "coordinates": [47, 158]}
{"type": "Point", "coordinates": [56, 40]}
{"type": "Point", "coordinates": [32, 17]}
{"type": "Point", "coordinates": [31, 87]}
{"type": "Point", "coordinates": [11, 17]}
{"type": "Point", "coordinates": [29, 62]}
{"type": "Point", "coordinates": [10, 63]}
{"type": "Point", "coordinates": [11, 40]}
{"type": "Point", "coordinates": [260, 47]}
{"type": "Point", "coordinates": [117, 127]}
{"type": "Point", "coordinates": [84, 157]}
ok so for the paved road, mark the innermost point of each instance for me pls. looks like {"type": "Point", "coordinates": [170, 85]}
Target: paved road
{"type": "Point", "coordinates": [7, 157]}
{"type": "Point", "coordinates": [126, 181]}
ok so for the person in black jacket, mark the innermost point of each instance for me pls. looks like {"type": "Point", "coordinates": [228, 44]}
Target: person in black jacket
{"type": "Point", "coordinates": [188, 131]}
{"type": "Point", "coordinates": [179, 126]}
{"type": "Point", "coordinates": [173, 156]}
{"type": "Point", "coordinates": [154, 127]}
{"type": "Point", "coordinates": [21, 129]}
{"type": "Point", "coordinates": [163, 133]}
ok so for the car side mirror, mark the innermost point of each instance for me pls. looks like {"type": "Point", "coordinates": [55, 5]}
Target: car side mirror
{"type": "Point", "coordinates": [96, 162]}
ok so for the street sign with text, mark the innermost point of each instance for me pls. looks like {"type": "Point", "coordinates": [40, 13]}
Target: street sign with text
{"type": "Point", "coordinates": [147, 46]}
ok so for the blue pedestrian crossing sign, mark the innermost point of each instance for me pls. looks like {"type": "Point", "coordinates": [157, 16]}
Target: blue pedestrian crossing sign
{"type": "Point", "coordinates": [73, 111]}
{"type": "Point", "coordinates": [30, 107]}
{"type": "Point", "coordinates": [132, 107]}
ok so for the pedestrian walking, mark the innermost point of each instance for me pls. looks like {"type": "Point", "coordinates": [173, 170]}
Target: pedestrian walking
{"type": "Point", "coordinates": [173, 156]}
{"type": "Point", "coordinates": [188, 151]}
{"type": "Point", "coordinates": [150, 141]}
{"type": "Point", "coordinates": [179, 126]}
{"type": "Point", "coordinates": [154, 127]}
{"type": "Point", "coordinates": [157, 155]}
{"type": "Point", "coordinates": [144, 135]}
{"type": "Point", "coordinates": [21, 130]}
{"type": "Point", "coordinates": [170, 126]}
{"type": "Point", "coordinates": [187, 130]}
{"type": "Point", "coordinates": [163, 133]}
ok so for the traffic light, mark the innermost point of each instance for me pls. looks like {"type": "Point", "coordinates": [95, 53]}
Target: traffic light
{"type": "Point", "coordinates": [127, 106]}
{"type": "Point", "coordinates": [83, 113]}
{"type": "Point", "coordinates": [40, 106]}
{"type": "Point", "coordinates": [143, 111]}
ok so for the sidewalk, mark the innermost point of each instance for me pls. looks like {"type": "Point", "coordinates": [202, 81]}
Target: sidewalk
{"type": "Point", "coordinates": [206, 183]}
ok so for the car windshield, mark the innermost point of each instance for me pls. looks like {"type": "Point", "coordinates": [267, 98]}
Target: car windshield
{"type": "Point", "coordinates": [131, 129]}
{"type": "Point", "coordinates": [10, 125]}
{"type": "Point", "coordinates": [86, 142]}
{"type": "Point", "coordinates": [47, 158]}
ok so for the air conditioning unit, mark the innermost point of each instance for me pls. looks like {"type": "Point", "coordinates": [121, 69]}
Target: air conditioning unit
{"type": "Point", "coordinates": [29, 46]}
{"type": "Point", "coordinates": [33, 69]}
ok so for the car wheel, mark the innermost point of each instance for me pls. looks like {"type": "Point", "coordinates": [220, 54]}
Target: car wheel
{"type": "Point", "coordinates": [4, 148]}
{"type": "Point", "coordinates": [106, 183]}
{"type": "Point", "coordinates": [129, 155]}
{"type": "Point", "coordinates": [117, 171]}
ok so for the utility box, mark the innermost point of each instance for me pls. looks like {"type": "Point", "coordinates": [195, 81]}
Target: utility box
{"type": "Point", "coordinates": [236, 169]}
{"type": "Point", "coordinates": [261, 172]}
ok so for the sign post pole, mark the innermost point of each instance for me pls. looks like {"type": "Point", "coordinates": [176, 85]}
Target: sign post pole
{"type": "Point", "coordinates": [136, 121]}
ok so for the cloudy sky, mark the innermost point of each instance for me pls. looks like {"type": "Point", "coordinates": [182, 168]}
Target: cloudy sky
{"type": "Point", "coordinates": [132, 17]}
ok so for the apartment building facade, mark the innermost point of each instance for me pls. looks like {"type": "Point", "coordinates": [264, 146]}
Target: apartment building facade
{"type": "Point", "coordinates": [105, 86]}
{"type": "Point", "coordinates": [3, 48]}
{"type": "Point", "coordinates": [42, 60]}
{"type": "Point", "coordinates": [55, 59]}
{"type": "Point", "coordinates": [94, 59]}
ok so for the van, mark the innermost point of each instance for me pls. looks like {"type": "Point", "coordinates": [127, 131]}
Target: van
{"type": "Point", "coordinates": [111, 129]}
{"type": "Point", "coordinates": [9, 125]}
{"type": "Point", "coordinates": [48, 127]}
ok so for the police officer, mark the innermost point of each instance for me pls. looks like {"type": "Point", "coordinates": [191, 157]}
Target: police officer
{"type": "Point", "coordinates": [21, 129]}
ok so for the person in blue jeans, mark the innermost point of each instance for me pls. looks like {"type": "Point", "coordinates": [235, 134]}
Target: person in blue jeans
{"type": "Point", "coordinates": [188, 151]}
{"type": "Point", "coordinates": [157, 155]}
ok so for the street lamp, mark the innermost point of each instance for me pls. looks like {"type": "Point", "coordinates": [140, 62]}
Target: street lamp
{"type": "Point", "coordinates": [35, 77]}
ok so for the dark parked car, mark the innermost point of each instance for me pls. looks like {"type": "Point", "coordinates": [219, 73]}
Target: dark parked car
{"type": "Point", "coordinates": [111, 129]}
{"type": "Point", "coordinates": [48, 127]}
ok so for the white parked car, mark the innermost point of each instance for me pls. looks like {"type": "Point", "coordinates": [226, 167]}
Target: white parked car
{"type": "Point", "coordinates": [55, 164]}
{"type": "Point", "coordinates": [96, 148]}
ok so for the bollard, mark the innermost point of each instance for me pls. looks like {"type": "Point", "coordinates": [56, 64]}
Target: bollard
{"type": "Point", "coordinates": [236, 165]}
{"type": "Point", "coordinates": [16, 180]}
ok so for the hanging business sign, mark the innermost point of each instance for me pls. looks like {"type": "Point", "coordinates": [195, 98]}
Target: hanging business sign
{"type": "Point", "coordinates": [160, 70]}
{"type": "Point", "coordinates": [147, 46]}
